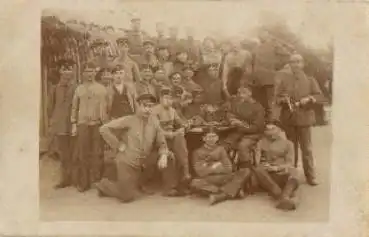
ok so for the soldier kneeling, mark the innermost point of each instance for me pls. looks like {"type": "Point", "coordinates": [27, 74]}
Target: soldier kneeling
{"type": "Point", "coordinates": [214, 174]}
{"type": "Point", "coordinates": [275, 172]}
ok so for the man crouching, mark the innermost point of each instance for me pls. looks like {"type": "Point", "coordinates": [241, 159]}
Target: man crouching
{"type": "Point", "coordinates": [214, 173]}
{"type": "Point", "coordinates": [141, 134]}
{"type": "Point", "coordinates": [275, 171]}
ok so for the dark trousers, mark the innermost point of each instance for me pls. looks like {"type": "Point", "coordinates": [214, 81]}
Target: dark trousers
{"type": "Point", "coordinates": [301, 135]}
{"type": "Point", "coordinates": [88, 156]}
{"type": "Point", "coordinates": [65, 147]}
{"type": "Point", "coordinates": [265, 96]}
{"type": "Point", "coordinates": [275, 182]}
{"type": "Point", "coordinates": [126, 187]}
{"type": "Point", "coordinates": [172, 175]}
{"type": "Point", "coordinates": [229, 184]}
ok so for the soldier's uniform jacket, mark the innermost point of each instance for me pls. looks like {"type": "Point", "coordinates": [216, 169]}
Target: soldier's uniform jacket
{"type": "Point", "coordinates": [174, 45]}
{"type": "Point", "coordinates": [130, 67]}
{"type": "Point", "coordinates": [265, 63]}
{"type": "Point", "coordinates": [192, 47]}
{"type": "Point", "coordinates": [150, 60]}
{"type": "Point", "coordinates": [252, 113]}
{"type": "Point", "coordinates": [189, 85]}
{"type": "Point", "coordinates": [135, 39]}
{"type": "Point", "coordinates": [121, 104]}
{"type": "Point", "coordinates": [241, 59]}
{"type": "Point", "coordinates": [61, 107]}
{"type": "Point", "coordinates": [90, 104]}
{"type": "Point", "coordinates": [146, 87]}
{"type": "Point", "coordinates": [168, 118]}
{"type": "Point", "coordinates": [204, 158]}
{"type": "Point", "coordinates": [279, 152]}
{"type": "Point", "coordinates": [296, 87]}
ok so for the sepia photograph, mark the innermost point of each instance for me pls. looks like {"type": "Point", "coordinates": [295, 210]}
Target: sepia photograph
{"type": "Point", "coordinates": [186, 112]}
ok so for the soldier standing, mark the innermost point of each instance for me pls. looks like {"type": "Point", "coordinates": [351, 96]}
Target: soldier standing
{"type": "Point", "coordinates": [89, 112]}
{"type": "Point", "coordinates": [60, 123]}
{"type": "Point", "coordinates": [295, 95]}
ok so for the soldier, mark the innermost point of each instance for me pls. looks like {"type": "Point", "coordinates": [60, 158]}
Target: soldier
{"type": "Point", "coordinates": [211, 85]}
{"type": "Point", "coordinates": [187, 81]}
{"type": "Point", "coordinates": [160, 38]}
{"type": "Point", "coordinates": [295, 95]}
{"type": "Point", "coordinates": [181, 97]}
{"type": "Point", "coordinates": [214, 172]}
{"type": "Point", "coordinates": [264, 68]}
{"type": "Point", "coordinates": [60, 123]}
{"type": "Point", "coordinates": [141, 134]}
{"type": "Point", "coordinates": [89, 111]}
{"type": "Point", "coordinates": [123, 96]}
{"type": "Point", "coordinates": [181, 60]}
{"type": "Point", "coordinates": [136, 37]}
{"type": "Point", "coordinates": [247, 117]}
{"type": "Point", "coordinates": [192, 46]}
{"type": "Point", "coordinates": [173, 42]}
{"type": "Point", "coordinates": [236, 63]}
{"type": "Point", "coordinates": [148, 57]}
{"type": "Point", "coordinates": [209, 53]}
{"type": "Point", "coordinates": [174, 128]}
{"type": "Point", "coordinates": [129, 66]}
{"type": "Point", "coordinates": [147, 84]}
{"type": "Point", "coordinates": [163, 57]}
{"type": "Point", "coordinates": [275, 172]}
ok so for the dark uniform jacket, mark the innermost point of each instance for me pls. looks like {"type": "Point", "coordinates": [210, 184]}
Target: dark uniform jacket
{"type": "Point", "coordinates": [296, 87]}
{"type": "Point", "coordinates": [265, 63]}
{"type": "Point", "coordinates": [61, 107]}
{"type": "Point", "coordinates": [251, 113]}
{"type": "Point", "coordinates": [204, 160]}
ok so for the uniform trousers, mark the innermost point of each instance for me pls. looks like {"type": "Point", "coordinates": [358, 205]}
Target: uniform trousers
{"type": "Point", "coordinates": [88, 156]}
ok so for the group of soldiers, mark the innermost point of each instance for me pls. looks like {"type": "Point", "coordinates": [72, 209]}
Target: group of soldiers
{"type": "Point", "coordinates": [142, 106]}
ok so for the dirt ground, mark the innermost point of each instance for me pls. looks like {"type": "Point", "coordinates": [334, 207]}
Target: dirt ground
{"type": "Point", "coordinates": [70, 205]}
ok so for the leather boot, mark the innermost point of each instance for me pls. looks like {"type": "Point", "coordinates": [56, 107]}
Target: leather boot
{"type": "Point", "coordinates": [217, 198]}
{"type": "Point", "coordinates": [288, 201]}
{"type": "Point", "coordinates": [267, 183]}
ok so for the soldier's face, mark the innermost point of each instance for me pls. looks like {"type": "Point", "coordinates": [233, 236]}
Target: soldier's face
{"type": "Point", "coordinates": [272, 131]}
{"type": "Point", "coordinates": [160, 75]}
{"type": "Point", "coordinates": [296, 63]}
{"type": "Point", "coordinates": [244, 93]}
{"type": "Point", "coordinates": [163, 53]}
{"type": "Point", "coordinates": [188, 73]}
{"type": "Point", "coordinates": [176, 79]}
{"type": "Point", "coordinates": [136, 24]}
{"type": "Point", "coordinates": [182, 57]}
{"type": "Point", "coordinates": [123, 47]}
{"type": "Point", "coordinates": [211, 138]}
{"type": "Point", "coordinates": [145, 107]}
{"type": "Point", "coordinates": [118, 77]}
{"type": "Point", "coordinates": [149, 48]}
{"type": "Point", "coordinates": [147, 74]}
{"type": "Point", "coordinates": [167, 100]}
{"type": "Point", "coordinates": [88, 76]}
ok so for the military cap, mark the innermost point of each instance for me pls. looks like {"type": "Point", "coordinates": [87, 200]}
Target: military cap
{"type": "Point", "coordinates": [145, 67]}
{"type": "Point", "coordinates": [166, 91]}
{"type": "Point", "coordinates": [148, 42]}
{"type": "Point", "coordinates": [210, 129]}
{"type": "Point", "coordinates": [135, 18]}
{"type": "Point", "coordinates": [122, 40]}
{"type": "Point", "coordinates": [175, 73]}
{"type": "Point", "coordinates": [274, 122]}
{"type": "Point", "coordinates": [162, 46]}
{"type": "Point", "coordinates": [146, 97]}
{"type": "Point", "coordinates": [180, 50]}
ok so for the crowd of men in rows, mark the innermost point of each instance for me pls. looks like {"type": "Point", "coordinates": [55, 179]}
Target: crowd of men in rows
{"type": "Point", "coordinates": [147, 106]}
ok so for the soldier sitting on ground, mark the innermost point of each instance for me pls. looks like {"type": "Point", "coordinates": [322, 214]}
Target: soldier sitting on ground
{"type": "Point", "coordinates": [214, 173]}
{"type": "Point", "coordinates": [275, 172]}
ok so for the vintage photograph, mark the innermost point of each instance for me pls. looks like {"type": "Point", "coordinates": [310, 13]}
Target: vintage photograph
{"type": "Point", "coordinates": [178, 112]}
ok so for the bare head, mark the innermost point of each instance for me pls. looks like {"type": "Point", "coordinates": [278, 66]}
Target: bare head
{"type": "Point", "coordinates": [296, 62]}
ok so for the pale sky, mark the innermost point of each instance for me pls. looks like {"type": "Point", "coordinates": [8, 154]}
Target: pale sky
{"type": "Point", "coordinates": [312, 21]}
